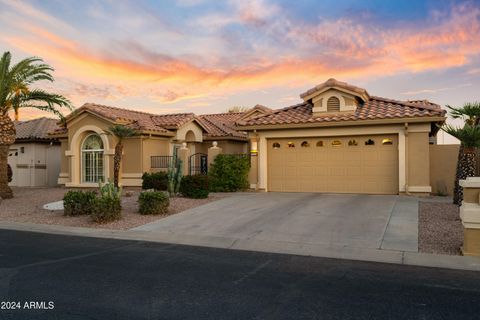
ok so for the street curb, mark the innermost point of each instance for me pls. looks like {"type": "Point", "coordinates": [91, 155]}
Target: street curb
{"type": "Point", "coordinates": [281, 247]}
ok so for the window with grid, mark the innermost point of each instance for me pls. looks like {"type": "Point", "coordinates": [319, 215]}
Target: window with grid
{"type": "Point", "coordinates": [92, 159]}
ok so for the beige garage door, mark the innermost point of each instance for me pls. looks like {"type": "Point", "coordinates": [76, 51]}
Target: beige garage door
{"type": "Point", "coordinates": [356, 164]}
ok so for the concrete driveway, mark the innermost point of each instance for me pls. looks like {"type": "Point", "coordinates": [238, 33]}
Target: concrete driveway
{"type": "Point", "coordinates": [332, 220]}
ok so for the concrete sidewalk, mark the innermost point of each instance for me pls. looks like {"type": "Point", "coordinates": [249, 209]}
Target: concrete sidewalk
{"type": "Point", "coordinates": [340, 252]}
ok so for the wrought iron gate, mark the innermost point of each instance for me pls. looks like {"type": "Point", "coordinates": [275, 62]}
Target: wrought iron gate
{"type": "Point", "coordinates": [198, 164]}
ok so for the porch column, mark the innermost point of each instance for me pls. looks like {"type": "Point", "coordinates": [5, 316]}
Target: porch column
{"type": "Point", "coordinates": [253, 173]}
{"type": "Point", "coordinates": [184, 154]}
{"type": "Point", "coordinates": [213, 152]}
{"type": "Point", "coordinates": [470, 215]}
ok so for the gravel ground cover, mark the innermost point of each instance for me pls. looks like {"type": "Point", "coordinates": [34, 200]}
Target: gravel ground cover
{"type": "Point", "coordinates": [440, 229]}
{"type": "Point", "coordinates": [27, 206]}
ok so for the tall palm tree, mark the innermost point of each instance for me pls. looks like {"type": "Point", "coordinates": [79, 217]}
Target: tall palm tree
{"type": "Point", "coordinates": [120, 132]}
{"type": "Point", "coordinates": [15, 93]}
{"type": "Point", "coordinates": [470, 113]}
{"type": "Point", "coordinates": [469, 137]}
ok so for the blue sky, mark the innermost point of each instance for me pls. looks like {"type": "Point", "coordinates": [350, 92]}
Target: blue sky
{"type": "Point", "coordinates": [206, 56]}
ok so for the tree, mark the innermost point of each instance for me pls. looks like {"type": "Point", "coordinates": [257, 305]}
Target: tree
{"type": "Point", "coordinates": [236, 109]}
{"type": "Point", "coordinates": [470, 113]}
{"type": "Point", "coordinates": [120, 132]}
{"type": "Point", "coordinates": [469, 137]}
{"type": "Point", "coordinates": [15, 94]}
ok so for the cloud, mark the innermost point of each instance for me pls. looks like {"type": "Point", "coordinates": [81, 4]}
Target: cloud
{"type": "Point", "coordinates": [252, 45]}
{"type": "Point", "coordinates": [422, 91]}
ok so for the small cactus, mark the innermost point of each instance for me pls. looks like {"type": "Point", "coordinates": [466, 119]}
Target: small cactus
{"type": "Point", "coordinates": [175, 174]}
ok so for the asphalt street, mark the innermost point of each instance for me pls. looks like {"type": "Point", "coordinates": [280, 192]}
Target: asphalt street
{"type": "Point", "coordinates": [62, 277]}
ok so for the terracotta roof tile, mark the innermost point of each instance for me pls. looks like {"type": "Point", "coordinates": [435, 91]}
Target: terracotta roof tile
{"type": "Point", "coordinates": [374, 108]}
{"type": "Point", "coordinates": [36, 129]}
{"type": "Point", "coordinates": [222, 125]}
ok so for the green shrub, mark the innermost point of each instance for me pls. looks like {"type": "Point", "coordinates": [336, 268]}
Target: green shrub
{"type": "Point", "coordinates": [153, 202]}
{"type": "Point", "coordinates": [195, 187]}
{"type": "Point", "coordinates": [156, 181]}
{"type": "Point", "coordinates": [77, 203]}
{"type": "Point", "coordinates": [229, 173]}
{"type": "Point", "coordinates": [106, 208]}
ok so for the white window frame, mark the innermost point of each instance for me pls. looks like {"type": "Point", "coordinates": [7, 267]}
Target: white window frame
{"type": "Point", "coordinates": [97, 151]}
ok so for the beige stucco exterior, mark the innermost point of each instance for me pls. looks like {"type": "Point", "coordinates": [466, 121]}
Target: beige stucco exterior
{"type": "Point", "coordinates": [443, 164]}
{"type": "Point", "coordinates": [137, 150]}
{"type": "Point", "coordinates": [412, 155]}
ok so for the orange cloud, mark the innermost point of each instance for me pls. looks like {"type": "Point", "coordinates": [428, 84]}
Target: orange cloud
{"type": "Point", "coordinates": [340, 48]}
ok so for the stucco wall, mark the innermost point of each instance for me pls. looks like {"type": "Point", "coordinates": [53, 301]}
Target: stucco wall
{"type": "Point", "coordinates": [418, 161]}
{"type": "Point", "coordinates": [443, 164]}
{"type": "Point", "coordinates": [132, 155]}
{"type": "Point", "coordinates": [153, 147]}
{"type": "Point", "coordinates": [228, 147]}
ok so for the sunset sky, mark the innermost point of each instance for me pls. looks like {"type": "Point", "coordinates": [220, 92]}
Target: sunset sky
{"type": "Point", "coordinates": [206, 56]}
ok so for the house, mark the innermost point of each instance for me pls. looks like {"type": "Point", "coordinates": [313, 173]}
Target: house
{"type": "Point", "coordinates": [35, 156]}
{"type": "Point", "coordinates": [87, 149]}
{"type": "Point", "coordinates": [341, 139]}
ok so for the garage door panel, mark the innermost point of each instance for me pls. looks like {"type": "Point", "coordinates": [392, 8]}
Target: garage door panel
{"type": "Point", "coordinates": [342, 168]}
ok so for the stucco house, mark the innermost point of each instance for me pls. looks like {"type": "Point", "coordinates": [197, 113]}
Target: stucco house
{"type": "Point", "coordinates": [341, 139]}
{"type": "Point", "coordinates": [35, 156]}
{"type": "Point", "coordinates": [87, 149]}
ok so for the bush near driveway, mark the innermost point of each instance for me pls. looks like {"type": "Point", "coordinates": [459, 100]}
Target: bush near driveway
{"type": "Point", "coordinates": [195, 187]}
{"type": "Point", "coordinates": [153, 202]}
{"type": "Point", "coordinates": [229, 173]}
{"type": "Point", "coordinates": [106, 209]}
{"type": "Point", "coordinates": [156, 181]}
{"type": "Point", "coordinates": [77, 203]}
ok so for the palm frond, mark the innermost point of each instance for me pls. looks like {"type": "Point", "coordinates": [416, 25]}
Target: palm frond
{"type": "Point", "coordinates": [469, 136]}
{"type": "Point", "coordinates": [470, 112]}
{"type": "Point", "coordinates": [45, 101]}
{"type": "Point", "coordinates": [121, 131]}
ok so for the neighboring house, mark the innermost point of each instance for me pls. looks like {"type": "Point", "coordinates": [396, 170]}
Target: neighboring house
{"type": "Point", "coordinates": [87, 149]}
{"type": "Point", "coordinates": [342, 140]}
{"type": "Point", "coordinates": [35, 156]}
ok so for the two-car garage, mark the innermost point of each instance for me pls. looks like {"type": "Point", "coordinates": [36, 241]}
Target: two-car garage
{"type": "Point", "coordinates": [347, 164]}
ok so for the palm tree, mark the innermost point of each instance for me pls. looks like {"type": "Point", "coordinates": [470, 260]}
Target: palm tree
{"type": "Point", "coordinates": [15, 93]}
{"type": "Point", "coordinates": [470, 113]}
{"type": "Point", "coordinates": [469, 137]}
{"type": "Point", "coordinates": [120, 132]}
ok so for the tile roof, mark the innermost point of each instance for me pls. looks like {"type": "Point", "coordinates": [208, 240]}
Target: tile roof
{"type": "Point", "coordinates": [36, 129]}
{"type": "Point", "coordinates": [330, 83]}
{"type": "Point", "coordinates": [374, 108]}
{"type": "Point", "coordinates": [222, 125]}
{"type": "Point", "coordinates": [138, 120]}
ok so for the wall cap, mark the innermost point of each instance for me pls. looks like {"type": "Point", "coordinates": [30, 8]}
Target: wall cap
{"type": "Point", "coordinates": [470, 215]}
{"type": "Point", "coordinates": [470, 182]}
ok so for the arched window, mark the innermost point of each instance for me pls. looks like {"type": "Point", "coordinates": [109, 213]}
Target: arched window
{"type": "Point", "coordinates": [92, 159]}
{"type": "Point", "coordinates": [333, 104]}
{"type": "Point", "coordinates": [305, 144]}
{"type": "Point", "coordinates": [276, 145]}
